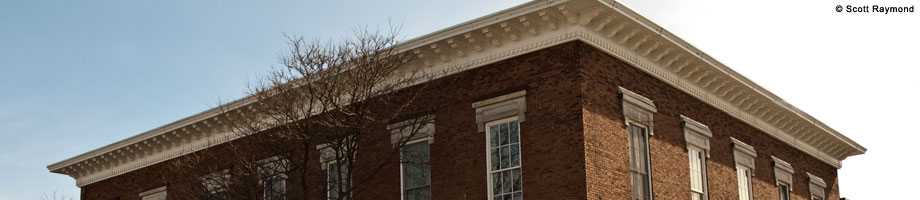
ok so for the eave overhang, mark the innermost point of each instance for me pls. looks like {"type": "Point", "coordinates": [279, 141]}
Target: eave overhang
{"type": "Point", "coordinates": [604, 24]}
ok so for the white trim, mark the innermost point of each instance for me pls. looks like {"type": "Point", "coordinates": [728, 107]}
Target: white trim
{"type": "Point", "coordinates": [488, 147]}
{"type": "Point", "coordinates": [816, 186]}
{"type": "Point", "coordinates": [703, 169]}
{"type": "Point", "coordinates": [638, 109]}
{"type": "Point", "coordinates": [645, 46]}
{"type": "Point", "coordinates": [638, 100]}
{"type": "Point", "coordinates": [782, 172]}
{"type": "Point", "coordinates": [647, 160]}
{"type": "Point", "coordinates": [696, 134]}
{"type": "Point", "coordinates": [159, 193]}
{"type": "Point", "coordinates": [512, 104]}
{"type": "Point", "coordinates": [744, 154]}
{"type": "Point", "coordinates": [424, 129]}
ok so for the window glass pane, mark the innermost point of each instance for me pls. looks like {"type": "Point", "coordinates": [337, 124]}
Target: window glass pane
{"type": "Point", "coordinates": [493, 136]}
{"type": "Point", "coordinates": [495, 159]}
{"type": "Point", "coordinates": [515, 155]}
{"type": "Point", "coordinates": [496, 183]}
{"type": "Point", "coordinates": [516, 175]}
{"type": "Point", "coordinates": [505, 157]}
{"type": "Point", "coordinates": [515, 134]}
{"type": "Point", "coordinates": [505, 137]}
{"type": "Point", "coordinates": [506, 181]}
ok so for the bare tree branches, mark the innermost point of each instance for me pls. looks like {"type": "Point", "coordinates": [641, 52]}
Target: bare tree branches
{"type": "Point", "coordinates": [326, 97]}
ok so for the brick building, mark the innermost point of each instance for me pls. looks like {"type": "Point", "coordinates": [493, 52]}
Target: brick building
{"type": "Point", "coordinates": [595, 101]}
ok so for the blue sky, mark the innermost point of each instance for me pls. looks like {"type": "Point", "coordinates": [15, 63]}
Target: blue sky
{"type": "Point", "coordinates": [77, 75]}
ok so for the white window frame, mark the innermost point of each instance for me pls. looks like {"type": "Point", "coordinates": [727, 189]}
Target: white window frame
{"type": "Point", "coordinates": [745, 175]}
{"type": "Point", "coordinates": [817, 187]}
{"type": "Point", "coordinates": [488, 147]}
{"type": "Point", "coordinates": [787, 193]}
{"type": "Point", "coordinates": [648, 160]}
{"type": "Point", "coordinates": [701, 155]}
{"type": "Point", "coordinates": [154, 194]}
{"type": "Point", "coordinates": [402, 168]}
{"type": "Point", "coordinates": [697, 136]}
{"type": "Point", "coordinates": [745, 161]}
{"type": "Point", "coordinates": [639, 111]}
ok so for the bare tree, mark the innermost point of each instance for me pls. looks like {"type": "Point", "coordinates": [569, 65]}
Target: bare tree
{"type": "Point", "coordinates": [329, 97]}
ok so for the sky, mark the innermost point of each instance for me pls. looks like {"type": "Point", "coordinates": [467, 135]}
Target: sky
{"type": "Point", "coordinates": [77, 75]}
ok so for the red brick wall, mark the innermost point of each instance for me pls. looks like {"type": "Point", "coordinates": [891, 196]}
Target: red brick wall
{"type": "Point", "coordinates": [573, 139]}
{"type": "Point", "coordinates": [606, 147]}
{"type": "Point", "coordinates": [551, 140]}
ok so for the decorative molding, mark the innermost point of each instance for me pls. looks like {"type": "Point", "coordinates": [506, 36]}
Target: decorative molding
{"type": "Point", "coordinates": [782, 171]}
{"type": "Point", "coordinates": [696, 134]}
{"type": "Point", "coordinates": [513, 104]}
{"type": "Point", "coordinates": [638, 109]}
{"type": "Point", "coordinates": [816, 185]}
{"type": "Point", "coordinates": [536, 25]}
{"type": "Point", "coordinates": [744, 154]}
{"type": "Point", "coordinates": [154, 194]}
{"type": "Point", "coordinates": [411, 130]}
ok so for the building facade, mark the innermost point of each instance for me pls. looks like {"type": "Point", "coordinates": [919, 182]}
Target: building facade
{"type": "Point", "coordinates": [564, 99]}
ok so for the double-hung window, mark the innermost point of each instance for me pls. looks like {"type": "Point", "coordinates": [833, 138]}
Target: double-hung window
{"type": "Point", "coordinates": [744, 168]}
{"type": "Point", "coordinates": [416, 171]}
{"type": "Point", "coordinates": [744, 182]}
{"type": "Point", "coordinates": [639, 112]}
{"type": "Point", "coordinates": [697, 136]}
{"type": "Point", "coordinates": [697, 174]}
{"type": "Point", "coordinates": [639, 168]}
{"type": "Point", "coordinates": [334, 160]}
{"type": "Point", "coordinates": [505, 159]}
{"type": "Point", "coordinates": [414, 138]}
{"type": "Point", "coordinates": [500, 119]}
{"type": "Point", "coordinates": [336, 181]}
{"type": "Point", "coordinates": [273, 178]}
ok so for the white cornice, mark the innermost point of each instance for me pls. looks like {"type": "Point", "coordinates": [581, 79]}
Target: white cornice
{"type": "Point", "coordinates": [529, 27]}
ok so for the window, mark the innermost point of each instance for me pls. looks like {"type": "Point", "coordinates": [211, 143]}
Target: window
{"type": "Point", "coordinates": [416, 170]}
{"type": "Point", "coordinates": [154, 194]}
{"type": "Point", "coordinates": [744, 165]}
{"type": "Point", "coordinates": [505, 181]}
{"type": "Point", "coordinates": [817, 187]}
{"type": "Point", "coordinates": [639, 112]}
{"type": "Point", "coordinates": [783, 191]}
{"type": "Point", "coordinates": [335, 159]}
{"type": "Point", "coordinates": [697, 136]}
{"type": "Point", "coordinates": [337, 181]}
{"type": "Point", "coordinates": [782, 171]}
{"type": "Point", "coordinates": [639, 168]}
{"type": "Point", "coordinates": [416, 136]}
{"type": "Point", "coordinates": [215, 185]}
{"type": "Point", "coordinates": [744, 182]}
{"type": "Point", "coordinates": [697, 174]}
{"type": "Point", "coordinates": [273, 178]}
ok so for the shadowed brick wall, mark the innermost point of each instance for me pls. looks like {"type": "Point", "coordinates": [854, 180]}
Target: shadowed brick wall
{"type": "Point", "coordinates": [573, 140]}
